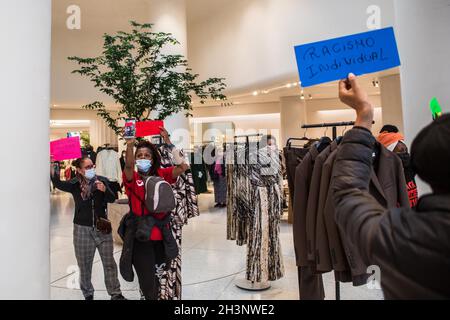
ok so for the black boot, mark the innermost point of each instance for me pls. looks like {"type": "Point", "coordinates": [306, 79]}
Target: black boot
{"type": "Point", "coordinates": [89, 298]}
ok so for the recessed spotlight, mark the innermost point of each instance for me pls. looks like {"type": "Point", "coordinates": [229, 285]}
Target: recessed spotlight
{"type": "Point", "coordinates": [302, 97]}
{"type": "Point", "coordinates": [288, 85]}
{"type": "Point", "coordinates": [310, 97]}
{"type": "Point", "coordinates": [255, 93]}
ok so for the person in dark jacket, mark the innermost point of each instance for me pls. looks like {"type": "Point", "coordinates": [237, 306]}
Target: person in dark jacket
{"type": "Point", "coordinates": [394, 141]}
{"type": "Point", "coordinates": [91, 194]}
{"type": "Point", "coordinates": [409, 246]}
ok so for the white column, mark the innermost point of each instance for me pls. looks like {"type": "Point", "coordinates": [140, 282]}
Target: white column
{"type": "Point", "coordinates": [292, 117]}
{"type": "Point", "coordinates": [391, 101]}
{"type": "Point", "coordinates": [422, 29]}
{"type": "Point", "coordinates": [170, 16]}
{"type": "Point", "coordinates": [25, 81]}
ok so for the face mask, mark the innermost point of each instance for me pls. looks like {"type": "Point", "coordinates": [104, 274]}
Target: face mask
{"type": "Point", "coordinates": [90, 174]}
{"type": "Point", "coordinates": [143, 165]}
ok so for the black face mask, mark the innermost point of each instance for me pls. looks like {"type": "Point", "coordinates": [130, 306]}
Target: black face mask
{"type": "Point", "coordinates": [406, 159]}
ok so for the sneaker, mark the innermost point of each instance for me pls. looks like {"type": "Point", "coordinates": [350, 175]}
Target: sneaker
{"type": "Point", "coordinates": [118, 297]}
{"type": "Point", "coordinates": [89, 298]}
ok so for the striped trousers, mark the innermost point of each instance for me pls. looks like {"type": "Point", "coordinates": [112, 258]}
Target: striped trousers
{"type": "Point", "coordinates": [86, 240]}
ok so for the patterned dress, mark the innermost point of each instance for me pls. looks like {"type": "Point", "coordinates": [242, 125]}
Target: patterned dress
{"type": "Point", "coordinates": [187, 207]}
{"type": "Point", "coordinates": [255, 209]}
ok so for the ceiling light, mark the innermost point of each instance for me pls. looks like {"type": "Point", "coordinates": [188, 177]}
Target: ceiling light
{"type": "Point", "coordinates": [302, 97]}
{"type": "Point", "coordinates": [255, 93]}
{"type": "Point", "coordinates": [288, 85]}
{"type": "Point", "coordinates": [310, 97]}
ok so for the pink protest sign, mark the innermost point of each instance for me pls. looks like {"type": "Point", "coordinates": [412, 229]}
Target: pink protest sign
{"type": "Point", "coordinates": [65, 149]}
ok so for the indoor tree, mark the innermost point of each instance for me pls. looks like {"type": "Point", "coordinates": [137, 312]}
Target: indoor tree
{"type": "Point", "coordinates": [144, 81]}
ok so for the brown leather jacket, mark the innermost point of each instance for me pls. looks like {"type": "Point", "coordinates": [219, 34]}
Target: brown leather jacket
{"type": "Point", "coordinates": [411, 247]}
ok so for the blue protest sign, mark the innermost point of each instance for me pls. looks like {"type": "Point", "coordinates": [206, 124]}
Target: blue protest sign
{"type": "Point", "coordinates": [334, 59]}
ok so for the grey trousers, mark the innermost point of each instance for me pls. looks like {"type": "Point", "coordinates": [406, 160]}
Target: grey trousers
{"type": "Point", "coordinates": [86, 240]}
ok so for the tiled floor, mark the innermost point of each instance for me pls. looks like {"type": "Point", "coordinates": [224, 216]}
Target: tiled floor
{"type": "Point", "coordinates": [211, 264]}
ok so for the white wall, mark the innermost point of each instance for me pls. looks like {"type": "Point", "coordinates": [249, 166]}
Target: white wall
{"type": "Point", "coordinates": [259, 36]}
{"type": "Point", "coordinates": [391, 100]}
{"type": "Point", "coordinates": [423, 31]}
{"type": "Point", "coordinates": [242, 125]}
{"type": "Point", "coordinates": [332, 110]}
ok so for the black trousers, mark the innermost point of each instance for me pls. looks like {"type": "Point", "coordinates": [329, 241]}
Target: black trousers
{"type": "Point", "coordinates": [148, 261]}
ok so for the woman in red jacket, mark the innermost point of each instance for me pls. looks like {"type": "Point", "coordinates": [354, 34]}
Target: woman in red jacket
{"type": "Point", "coordinates": [148, 257]}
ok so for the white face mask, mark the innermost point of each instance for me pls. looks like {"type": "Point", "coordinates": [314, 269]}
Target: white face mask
{"type": "Point", "coordinates": [90, 174]}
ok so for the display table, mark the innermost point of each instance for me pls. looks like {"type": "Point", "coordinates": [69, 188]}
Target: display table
{"type": "Point", "coordinates": [115, 213]}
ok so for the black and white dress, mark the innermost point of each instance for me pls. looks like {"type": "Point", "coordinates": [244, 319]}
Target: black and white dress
{"type": "Point", "coordinates": [187, 208]}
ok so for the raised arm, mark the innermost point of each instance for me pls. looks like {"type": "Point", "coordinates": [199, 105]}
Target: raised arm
{"type": "Point", "coordinates": [129, 161]}
{"type": "Point", "coordinates": [65, 186]}
{"type": "Point", "coordinates": [180, 164]}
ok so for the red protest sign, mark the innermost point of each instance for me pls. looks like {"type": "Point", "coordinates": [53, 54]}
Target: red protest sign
{"type": "Point", "coordinates": [65, 149]}
{"type": "Point", "coordinates": [148, 128]}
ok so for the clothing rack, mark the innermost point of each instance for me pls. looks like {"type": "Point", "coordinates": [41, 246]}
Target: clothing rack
{"type": "Point", "coordinates": [247, 141]}
{"type": "Point", "coordinates": [333, 125]}
{"type": "Point", "coordinates": [248, 136]}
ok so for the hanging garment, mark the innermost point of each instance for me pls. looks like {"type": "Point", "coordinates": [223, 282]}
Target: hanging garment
{"type": "Point", "coordinates": [303, 174]}
{"type": "Point", "coordinates": [241, 202]}
{"type": "Point", "coordinates": [293, 157]}
{"type": "Point", "coordinates": [231, 219]}
{"type": "Point", "coordinates": [313, 201]}
{"type": "Point", "coordinates": [329, 257]}
{"type": "Point", "coordinates": [187, 208]}
{"type": "Point", "coordinates": [264, 256]}
{"type": "Point", "coordinates": [199, 175]}
{"type": "Point", "coordinates": [108, 165]}
{"type": "Point", "coordinates": [310, 284]}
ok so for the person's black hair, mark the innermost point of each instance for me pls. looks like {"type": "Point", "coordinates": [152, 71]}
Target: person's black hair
{"type": "Point", "coordinates": [430, 154]}
{"type": "Point", "coordinates": [389, 128]}
{"type": "Point", "coordinates": [156, 157]}
{"type": "Point", "coordinates": [78, 162]}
